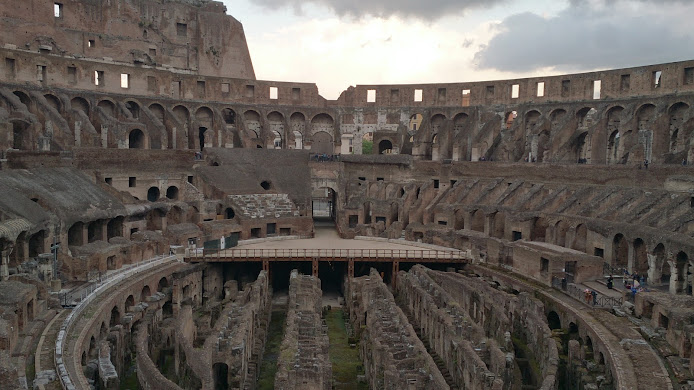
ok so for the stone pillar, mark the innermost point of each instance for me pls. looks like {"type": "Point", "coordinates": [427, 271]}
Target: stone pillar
{"type": "Point", "coordinates": [350, 269]}
{"type": "Point", "coordinates": [104, 230]}
{"type": "Point", "coordinates": [314, 267]}
{"type": "Point", "coordinates": [85, 233]}
{"type": "Point", "coordinates": [489, 224]}
{"type": "Point", "coordinates": [631, 257]}
{"type": "Point", "coordinates": [674, 282]}
{"type": "Point", "coordinates": [4, 262]}
{"type": "Point", "coordinates": [396, 269]}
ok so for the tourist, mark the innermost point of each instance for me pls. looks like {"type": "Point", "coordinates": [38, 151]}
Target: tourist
{"type": "Point", "coordinates": [645, 163]}
{"type": "Point", "coordinates": [595, 297]}
{"type": "Point", "coordinates": [609, 282]}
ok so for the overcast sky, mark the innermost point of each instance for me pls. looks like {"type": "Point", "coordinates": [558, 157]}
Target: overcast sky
{"type": "Point", "coordinates": [338, 43]}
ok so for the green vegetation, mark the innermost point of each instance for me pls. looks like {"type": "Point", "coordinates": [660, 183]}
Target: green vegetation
{"type": "Point", "coordinates": [346, 361]}
{"type": "Point", "coordinates": [367, 147]}
{"type": "Point", "coordinates": [275, 334]}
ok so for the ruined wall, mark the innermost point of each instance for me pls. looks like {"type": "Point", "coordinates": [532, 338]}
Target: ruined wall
{"type": "Point", "coordinates": [304, 362]}
{"type": "Point", "coordinates": [474, 361]}
{"type": "Point", "coordinates": [393, 355]}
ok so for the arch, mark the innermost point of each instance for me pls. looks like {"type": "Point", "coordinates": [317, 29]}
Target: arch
{"type": "Point", "coordinates": [477, 222]}
{"type": "Point", "coordinates": [586, 117]}
{"type": "Point", "coordinates": [499, 225]}
{"type": "Point", "coordinates": [539, 232]}
{"type": "Point", "coordinates": [204, 115]}
{"type": "Point", "coordinates": [158, 111]}
{"type": "Point", "coordinates": [21, 136]}
{"type": "Point", "coordinates": [175, 216]}
{"type": "Point", "coordinates": [531, 119]}
{"type": "Point", "coordinates": [560, 229]}
{"type": "Point", "coordinates": [229, 116]}
{"type": "Point", "coordinates": [25, 99]}
{"type": "Point", "coordinates": [620, 251]}
{"type": "Point", "coordinates": [129, 302]}
{"type": "Point", "coordinates": [580, 238]}
{"type": "Point", "coordinates": [678, 141]}
{"type": "Point", "coordinates": [75, 234]}
{"type": "Point", "coordinates": [114, 228]}
{"type": "Point", "coordinates": [553, 320]}
{"type": "Point", "coordinates": [298, 127]}
{"type": "Point", "coordinates": [93, 352]}
{"type": "Point", "coordinates": [136, 139]}
{"type": "Point", "coordinates": [145, 293]}
{"type": "Point", "coordinates": [133, 108]}
{"type": "Point", "coordinates": [557, 116]}
{"type": "Point", "coordinates": [220, 375]}
{"type": "Point", "coordinates": [115, 316]}
{"type": "Point", "coordinates": [107, 107]}
{"type": "Point", "coordinates": [385, 147]}
{"type": "Point", "coordinates": [172, 193]}
{"type": "Point", "coordinates": [182, 113]}
{"type": "Point", "coordinates": [37, 243]}
{"type": "Point", "coordinates": [54, 102]}
{"type": "Point", "coordinates": [229, 213]}
{"type": "Point", "coordinates": [322, 143]}
{"type": "Point", "coordinates": [614, 119]}
{"type": "Point", "coordinates": [80, 104]}
{"type": "Point", "coordinates": [163, 283]}
{"type": "Point", "coordinates": [153, 194]}
{"type": "Point", "coordinates": [459, 122]}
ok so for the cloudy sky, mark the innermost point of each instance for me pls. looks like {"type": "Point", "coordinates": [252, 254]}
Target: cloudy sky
{"type": "Point", "coordinates": [338, 43]}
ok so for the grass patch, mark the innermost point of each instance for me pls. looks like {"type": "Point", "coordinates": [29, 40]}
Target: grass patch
{"type": "Point", "coordinates": [275, 334]}
{"type": "Point", "coordinates": [346, 361]}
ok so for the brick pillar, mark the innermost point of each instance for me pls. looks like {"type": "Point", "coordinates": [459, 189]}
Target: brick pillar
{"type": "Point", "coordinates": [350, 269]}
{"type": "Point", "coordinates": [396, 269]}
{"type": "Point", "coordinates": [315, 267]}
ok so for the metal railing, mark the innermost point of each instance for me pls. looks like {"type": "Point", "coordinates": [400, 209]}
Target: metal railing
{"type": "Point", "coordinates": [289, 254]}
{"type": "Point", "coordinates": [599, 300]}
{"type": "Point", "coordinates": [89, 295]}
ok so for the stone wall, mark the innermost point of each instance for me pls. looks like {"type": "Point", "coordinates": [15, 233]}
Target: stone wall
{"type": "Point", "coordinates": [304, 362]}
{"type": "Point", "coordinates": [469, 355]}
{"type": "Point", "coordinates": [393, 355]}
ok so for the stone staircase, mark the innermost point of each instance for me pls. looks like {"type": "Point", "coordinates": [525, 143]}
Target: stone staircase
{"type": "Point", "coordinates": [437, 359]}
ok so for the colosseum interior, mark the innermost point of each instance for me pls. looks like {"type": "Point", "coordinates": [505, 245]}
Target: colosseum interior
{"type": "Point", "coordinates": [169, 222]}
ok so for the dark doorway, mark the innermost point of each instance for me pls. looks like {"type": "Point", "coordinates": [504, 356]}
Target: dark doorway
{"type": "Point", "coordinates": [201, 136]}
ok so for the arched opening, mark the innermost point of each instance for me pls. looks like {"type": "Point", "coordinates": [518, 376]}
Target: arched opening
{"type": "Point", "coordinates": [229, 116]}
{"type": "Point", "coordinates": [640, 257]}
{"type": "Point", "coordinates": [93, 353]}
{"type": "Point", "coordinates": [266, 185]}
{"type": "Point", "coordinates": [107, 108]}
{"type": "Point", "coordinates": [129, 303]}
{"type": "Point", "coordinates": [83, 360]}
{"type": "Point", "coordinates": [580, 238]}
{"type": "Point", "coordinates": [553, 320]}
{"type": "Point", "coordinates": [95, 231]}
{"type": "Point", "coordinates": [133, 108]}
{"type": "Point", "coordinates": [37, 244]}
{"type": "Point", "coordinates": [322, 143]}
{"type": "Point", "coordinates": [324, 203]}
{"type": "Point", "coordinates": [115, 227]}
{"type": "Point", "coordinates": [539, 232]}
{"type": "Point", "coordinates": [75, 235]}
{"type": "Point", "coordinates": [172, 193]}
{"type": "Point", "coordinates": [115, 317]}
{"type": "Point", "coordinates": [620, 252]}
{"type": "Point", "coordinates": [79, 104]}
{"type": "Point", "coordinates": [221, 376]}
{"type": "Point", "coordinates": [499, 225]}
{"type": "Point", "coordinates": [678, 140]}
{"type": "Point", "coordinates": [20, 136]}
{"type": "Point", "coordinates": [144, 293]}
{"type": "Point", "coordinates": [229, 213]}
{"type": "Point", "coordinates": [201, 137]}
{"type": "Point", "coordinates": [385, 147]}
{"type": "Point", "coordinates": [136, 139]}
{"type": "Point", "coordinates": [477, 222]}
{"type": "Point", "coordinates": [560, 230]}
{"type": "Point", "coordinates": [153, 194]}
{"type": "Point", "coordinates": [163, 283]}
{"type": "Point", "coordinates": [614, 119]}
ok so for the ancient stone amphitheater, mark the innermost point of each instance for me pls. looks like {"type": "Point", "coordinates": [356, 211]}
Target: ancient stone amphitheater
{"type": "Point", "coordinates": [167, 221]}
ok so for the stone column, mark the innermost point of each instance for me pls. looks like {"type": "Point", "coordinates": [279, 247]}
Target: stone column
{"type": "Point", "coordinates": [674, 282]}
{"type": "Point", "coordinates": [4, 262]}
{"type": "Point", "coordinates": [631, 257]}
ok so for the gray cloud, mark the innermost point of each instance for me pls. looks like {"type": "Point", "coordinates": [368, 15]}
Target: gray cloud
{"type": "Point", "coordinates": [581, 38]}
{"type": "Point", "coordinates": [427, 10]}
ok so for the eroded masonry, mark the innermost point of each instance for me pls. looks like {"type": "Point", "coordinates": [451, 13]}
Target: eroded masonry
{"type": "Point", "coordinates": [167, 221]}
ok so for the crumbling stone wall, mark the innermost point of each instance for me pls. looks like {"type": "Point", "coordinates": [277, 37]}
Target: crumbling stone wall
{"type": "Point", "coordinates": [504, 315]}
{"type": "Point", "coordinates": [393, 355]}
{"type": "Point", "coordinates": [474, 361]}
{"type": "Point", "coordinates": [304, 362]}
